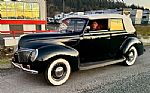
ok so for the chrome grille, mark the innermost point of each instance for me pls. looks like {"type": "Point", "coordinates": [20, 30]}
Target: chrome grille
{"type": "Point", "coordinates": [22, 56]}
{"type": "Point", "coordinates": [16, 57]}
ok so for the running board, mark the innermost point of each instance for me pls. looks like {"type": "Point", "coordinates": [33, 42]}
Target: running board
{"type": "Point", "coordinates": [91, 65]}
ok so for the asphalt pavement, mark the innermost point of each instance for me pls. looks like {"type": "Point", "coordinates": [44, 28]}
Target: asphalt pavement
{"type": "Point", "coordinates": [110, 79]}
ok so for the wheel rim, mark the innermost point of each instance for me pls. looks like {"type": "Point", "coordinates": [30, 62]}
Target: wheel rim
{"type": "Point", "coordinates": [59, 72]}
{"type": "Point", "coordinates": [131, 56]}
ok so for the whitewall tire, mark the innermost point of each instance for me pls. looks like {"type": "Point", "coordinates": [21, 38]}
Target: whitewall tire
{"type": "Point", "coordinates": [131, 56]}
{"type": "Point", "coordinates": [58, 72]}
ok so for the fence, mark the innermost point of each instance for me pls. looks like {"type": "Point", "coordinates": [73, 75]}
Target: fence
{"type": "Point", "coordinates": [15, 33]}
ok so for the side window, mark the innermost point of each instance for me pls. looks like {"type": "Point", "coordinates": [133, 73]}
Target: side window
{"type": "Point", "coordinates": [97, 25]}
{"type": "Point", "coordinates": [116, 24]}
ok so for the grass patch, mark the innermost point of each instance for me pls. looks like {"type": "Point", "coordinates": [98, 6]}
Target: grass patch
{"type": "Point", "coordinates": [143, 30]}
{"type": "Point", "coordinates": [4, 61]}
{"type": "Point", "coordinates": [52, 26]}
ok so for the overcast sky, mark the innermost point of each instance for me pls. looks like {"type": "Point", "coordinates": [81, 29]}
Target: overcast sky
{"type": "Point", "coordinates": [145, 3]}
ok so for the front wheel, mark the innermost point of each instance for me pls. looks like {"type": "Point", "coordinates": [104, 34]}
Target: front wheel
{"type": "Point", "coordinates": [58, 72]}
{"type": "Point", "coordinates": [131, 56]}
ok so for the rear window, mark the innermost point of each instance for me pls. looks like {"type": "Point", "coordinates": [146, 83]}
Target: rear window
{"type": "Point", "coordinates": [116, 24]}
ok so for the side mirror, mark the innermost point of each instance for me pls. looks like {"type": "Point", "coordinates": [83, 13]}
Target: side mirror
{"type": "Point", "coordinates": [87, 28]}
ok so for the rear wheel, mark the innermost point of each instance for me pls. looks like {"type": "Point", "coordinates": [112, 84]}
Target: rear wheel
{"type": "Point", "coordinates": [131, 56]}
{"type": "Point", "coordinates": [58, 72]}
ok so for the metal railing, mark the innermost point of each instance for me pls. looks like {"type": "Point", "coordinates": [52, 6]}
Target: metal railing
{"type": "Point", "coordinates": [13, 33]}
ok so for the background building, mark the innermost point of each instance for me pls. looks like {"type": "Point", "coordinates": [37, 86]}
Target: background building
{"type": "Point", "coordinates": [19, 17]}
{"type": "Point", "coordinates": [136, 16]}
{"type": "Point", "coordinates": [145, 17]}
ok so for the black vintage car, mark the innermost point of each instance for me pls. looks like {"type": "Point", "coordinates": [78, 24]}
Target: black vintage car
{"type": "Point", "coordinates": [79, 46]}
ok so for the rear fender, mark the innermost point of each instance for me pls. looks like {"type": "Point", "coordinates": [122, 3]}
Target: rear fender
{"type": "Point", "coordinates": [132, 41]}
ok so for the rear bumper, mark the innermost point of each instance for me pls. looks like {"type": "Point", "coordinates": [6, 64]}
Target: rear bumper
{"type": "Point", "coordinates": [25, 69]}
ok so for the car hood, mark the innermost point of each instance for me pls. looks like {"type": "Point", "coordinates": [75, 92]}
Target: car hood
{"type": "Point", "coordinates": [42, 39]}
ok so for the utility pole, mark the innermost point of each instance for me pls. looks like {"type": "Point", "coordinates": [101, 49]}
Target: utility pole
{"type": "Point", "coordinates": [63, 6]}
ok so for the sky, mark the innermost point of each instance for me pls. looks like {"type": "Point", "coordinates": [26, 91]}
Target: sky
{"type": "Point", "coordinates": [145, 3]}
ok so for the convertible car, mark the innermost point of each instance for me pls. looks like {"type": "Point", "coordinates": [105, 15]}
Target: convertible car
{"type": "Point", "coordinates": [76, 46]}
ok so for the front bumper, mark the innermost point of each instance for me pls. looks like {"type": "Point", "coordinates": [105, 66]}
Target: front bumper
{"type": "Point", "coordinates": [24, 69]}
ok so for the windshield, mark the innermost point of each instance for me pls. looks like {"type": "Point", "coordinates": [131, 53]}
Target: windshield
{"type": "Point", "coordinates": [72, 25]}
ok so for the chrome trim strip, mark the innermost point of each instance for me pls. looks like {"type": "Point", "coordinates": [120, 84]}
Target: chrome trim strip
{"type": "Point", "coordinates": [117, 34]}
{"type": "Point", "coordinates": [24, 69]}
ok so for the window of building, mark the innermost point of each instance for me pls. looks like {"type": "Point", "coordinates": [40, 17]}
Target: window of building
{"type": "Point", "coordinates": [38, 27]}
{"type": "Point", "coordinates": [35, 10]}
{"type": "Point", "coordinates": [3, 10]}
{"type": "Point", "coordinates": [17, 28]}
{"type": "Point", "coordinates": [116, 24]}
{"type": "Point", "coordinates": [10, 10]}
{"type": "Point", "coordinates": [28, 10]}
{"type": "Point", "coordinates": [19, 10]}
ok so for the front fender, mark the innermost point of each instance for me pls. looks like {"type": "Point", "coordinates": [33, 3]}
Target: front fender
{"type": "Point", "coordinates": [130, 42]}
{"type": "Point", "coordinates": [47, 52]}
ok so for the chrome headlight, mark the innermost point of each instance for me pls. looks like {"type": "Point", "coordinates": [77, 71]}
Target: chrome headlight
{"type": "Point", "coordinates": [33, 54]}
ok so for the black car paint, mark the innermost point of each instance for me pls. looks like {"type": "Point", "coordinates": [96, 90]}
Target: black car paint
{"type": "Point", "coordinates": [132, 41]}
{"type": "Point", "coordinates": [78, 48]}
{"type": "Point", "coordinates": [94, 46]}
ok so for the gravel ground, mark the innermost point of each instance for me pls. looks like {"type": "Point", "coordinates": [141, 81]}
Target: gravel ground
{"type": "Point", "coordinates": [110, 79]}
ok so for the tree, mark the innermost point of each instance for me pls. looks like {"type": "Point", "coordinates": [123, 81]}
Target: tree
{"type": "Point", "coordinates": [85, 5]}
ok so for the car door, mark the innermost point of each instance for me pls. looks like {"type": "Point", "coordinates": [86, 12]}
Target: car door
{"type": "Point", "coordinates": [117, 35]}
{"type": "Point", "coordinates": [95, 45]}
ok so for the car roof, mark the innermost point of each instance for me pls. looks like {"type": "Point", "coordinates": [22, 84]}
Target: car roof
{"type": "Point", "coordinates": [126, 20]}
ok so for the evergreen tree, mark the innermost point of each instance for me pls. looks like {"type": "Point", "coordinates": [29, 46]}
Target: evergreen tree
{"type": "Point", "coordinates": [85, 5]}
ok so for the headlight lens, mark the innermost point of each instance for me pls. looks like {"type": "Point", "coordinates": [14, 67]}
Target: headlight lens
{"type": "Point", "coordinates": [34, 55]}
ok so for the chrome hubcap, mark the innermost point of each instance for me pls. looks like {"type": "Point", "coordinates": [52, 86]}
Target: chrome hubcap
{"type": "Point", "coordinates": [59, 71]}
{"type": "Point", "coordinates": [131, 56]}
